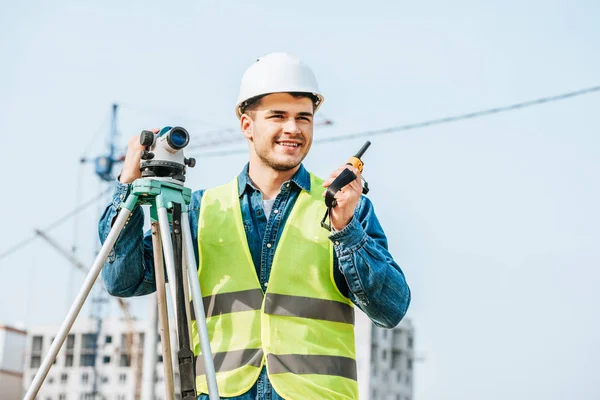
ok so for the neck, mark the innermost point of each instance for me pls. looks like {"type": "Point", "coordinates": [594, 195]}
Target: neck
{"type": "Point", "coordinates": [268, 180]}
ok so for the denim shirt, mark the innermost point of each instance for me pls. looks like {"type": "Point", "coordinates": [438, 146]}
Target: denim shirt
{"type": "Point", "coordinates": [364, 270]}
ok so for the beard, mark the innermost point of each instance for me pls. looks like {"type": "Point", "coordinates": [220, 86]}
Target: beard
{"type": "Point", "coordinates": [277, 162]}
{"type": "Point", "coordinates": [278, 165]}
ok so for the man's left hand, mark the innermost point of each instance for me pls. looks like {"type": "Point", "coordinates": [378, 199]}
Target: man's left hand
{"type": "Point", "coordinates": [347, 198]}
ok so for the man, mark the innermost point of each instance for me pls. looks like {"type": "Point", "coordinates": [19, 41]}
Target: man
{"type": "Point", "coordinates": [261, 246]}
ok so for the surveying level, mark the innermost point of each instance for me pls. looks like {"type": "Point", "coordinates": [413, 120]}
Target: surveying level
{"type": "Point", "coordinates": [343, 179]}
{"type": "Point", "coordinates": [162, 156]}
{"type": "Point", "coordinates": [162, 188]}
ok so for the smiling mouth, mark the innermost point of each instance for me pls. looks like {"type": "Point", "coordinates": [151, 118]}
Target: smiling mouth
{"type": "Point", "coordinates": [288, 144]}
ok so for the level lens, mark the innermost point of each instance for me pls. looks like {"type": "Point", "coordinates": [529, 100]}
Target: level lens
{"type": "Point", "coordinates": [178, 138]}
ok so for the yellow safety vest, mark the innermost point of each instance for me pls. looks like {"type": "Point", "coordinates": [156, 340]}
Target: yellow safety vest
{"type": "Point", "coordinates": [302, 326]}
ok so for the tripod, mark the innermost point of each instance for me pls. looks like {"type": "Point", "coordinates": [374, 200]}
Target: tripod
{"type": "Point", "coordinates": [168, 199]}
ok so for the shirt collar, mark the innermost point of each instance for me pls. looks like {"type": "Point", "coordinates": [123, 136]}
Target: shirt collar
{"type": "Point", "coordinates": [301, 179]}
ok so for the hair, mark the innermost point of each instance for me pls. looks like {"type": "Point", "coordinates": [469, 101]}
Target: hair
{"type": "Point", "coordinates": [251, 105]}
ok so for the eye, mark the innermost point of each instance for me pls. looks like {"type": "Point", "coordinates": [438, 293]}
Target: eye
{"type": "Point", "coordinates": [278, 116]}
{"type": "Point", "coordinates": [304, 119]}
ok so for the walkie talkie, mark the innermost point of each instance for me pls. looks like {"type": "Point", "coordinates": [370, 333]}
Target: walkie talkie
{"type": "Point", "coordinates": [343, 179]}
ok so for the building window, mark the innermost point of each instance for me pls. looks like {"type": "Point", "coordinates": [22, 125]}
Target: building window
{"type": "Point", "coordinates": [122, 378]}
{"type": "Point", "coordinates": [410, 342]}
{"type": "Point", "coordinates": [62, 396]}
{"type": "Point", "coordinates": [88, 350]}
{"type": "Point", "coordinates": [410, 364]}
{"type": "Point", "coordinates": [124, 360]}
{"type": "Point", "coordinates": [104, 379]}
{"type": "Point", "coordinates": [63, 378]}
{"type": "Point", "coordinates": [69, 350]}
{"type": "Point", "coordinates": [37, 343]}
{"type": "Point", "coordinates": [160, 358]}
{"type": "Point", "coordinates": [108, 339]}
{"type": "Point", "coordinates": [69, 360]}
{"type": "Point", "coordinates": [106, 360]}
{"type": "Point", "coordinates": [85, 378]}
{"type": "Point", "coordinates": [36, 361]}
{"type": "Point", "coordinates": [87, 360]}
{"type": "Point", "coordinates": [126, 347]}
{"type": "Point", "coordinates": [396, 359]}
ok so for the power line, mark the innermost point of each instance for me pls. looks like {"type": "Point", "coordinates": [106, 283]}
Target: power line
{"type": "Point", "coordinates": [56, 223]}
{"type": "Point", "coordinates": [438, 121]}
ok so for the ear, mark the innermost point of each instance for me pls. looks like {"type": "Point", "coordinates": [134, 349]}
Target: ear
{"type": "Point", "coordinates": [247, 125]}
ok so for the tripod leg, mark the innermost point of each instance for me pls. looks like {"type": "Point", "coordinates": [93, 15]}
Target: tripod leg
{"type": "Point", "coordinates": [185, 354]}
{"type": "Point", "coordinates": [163, 316]}
{"type": "Point", "coordinates": [186, 292]}
{"type": "Point", "coordinates": [209, 367]}
{"type": "Point", "coordinates": [167, 246]}
{"type": "Point", "coordinates": [38, 380]}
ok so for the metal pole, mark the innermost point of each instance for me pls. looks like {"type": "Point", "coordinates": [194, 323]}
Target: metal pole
{"type": "Point", "coordinates": [150, 354]}
{"type": "Point", "coordinates": [38, 380]}
{"type": "Point", "coordinates": [209, 367]}
{"type": "Point", "coordinates": [165, 234]}
{"type": "Point", "coordinates": [163, 316]}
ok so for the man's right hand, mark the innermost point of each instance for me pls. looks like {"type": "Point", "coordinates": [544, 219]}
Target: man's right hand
{"type": "Point", "coordinates": [131, 166]}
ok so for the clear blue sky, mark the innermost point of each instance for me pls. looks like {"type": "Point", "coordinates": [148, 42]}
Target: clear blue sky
{"type": "Point", "coordinates": [494, 221]}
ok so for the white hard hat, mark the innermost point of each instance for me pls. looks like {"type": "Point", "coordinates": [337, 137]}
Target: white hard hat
{"type": "Point", "coordinates": [277, 73]}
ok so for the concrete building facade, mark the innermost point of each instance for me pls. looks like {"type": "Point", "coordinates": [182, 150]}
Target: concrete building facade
{"type": "Point", "coordinates": [12, 353]}
{"type": "Point", "coordinates": [385, 360]}
{"type": "Point", "coordinates": [91, 366]}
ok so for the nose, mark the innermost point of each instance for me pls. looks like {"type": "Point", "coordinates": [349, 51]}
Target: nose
{"type": "Point", "coordinates": [291, 127]}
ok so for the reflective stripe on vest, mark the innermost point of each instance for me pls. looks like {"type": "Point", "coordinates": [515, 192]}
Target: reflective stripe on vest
{"type": "Point", "coordinates": [303, 324]}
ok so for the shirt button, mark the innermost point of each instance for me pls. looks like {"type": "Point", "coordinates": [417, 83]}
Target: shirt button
{"type": "Point", "coordinates": [287, 185]}
{"type": "Point", "coordinates": [269, 245]}
{"type": "Point", "coordinates": [337, 243]}
{"type": "Point", "coordinates": [275, 211]}
{"type": "Point", "coordinates": [265, 284]}
{"type": "Point", "coordinates": [122, 196]}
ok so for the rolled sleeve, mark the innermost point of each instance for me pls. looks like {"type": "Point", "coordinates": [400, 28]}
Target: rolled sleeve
{"type": "Point", "coordinates": [376, 282]}
{"type": "Point", "coordinates": [128, 267]}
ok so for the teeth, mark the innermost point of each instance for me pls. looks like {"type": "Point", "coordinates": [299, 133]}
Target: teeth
{"type": "Point", "coordinates": [289, 144]}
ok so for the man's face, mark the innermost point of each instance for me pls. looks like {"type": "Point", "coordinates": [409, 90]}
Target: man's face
{"type": "Point", "coordinates": [281, 130]}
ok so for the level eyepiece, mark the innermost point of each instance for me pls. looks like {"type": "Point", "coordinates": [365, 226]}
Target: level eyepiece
{"type": "Point", "coordinates": [178, 138]}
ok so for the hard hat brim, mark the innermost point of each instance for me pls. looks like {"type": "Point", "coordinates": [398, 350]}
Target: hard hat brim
{"type": "Point", "coordinates": [321, 99]}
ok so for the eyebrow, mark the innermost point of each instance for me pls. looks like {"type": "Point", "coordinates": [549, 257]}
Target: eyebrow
{"type": "Point", "coordinates": [301, 113]}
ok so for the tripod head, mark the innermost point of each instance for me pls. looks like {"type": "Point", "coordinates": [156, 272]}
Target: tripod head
{"type": "Point", "coordinates": [163, 154]}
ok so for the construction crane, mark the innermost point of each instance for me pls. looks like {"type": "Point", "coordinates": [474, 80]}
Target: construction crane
{"type": "Point", "coordinates": [103, 166]}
